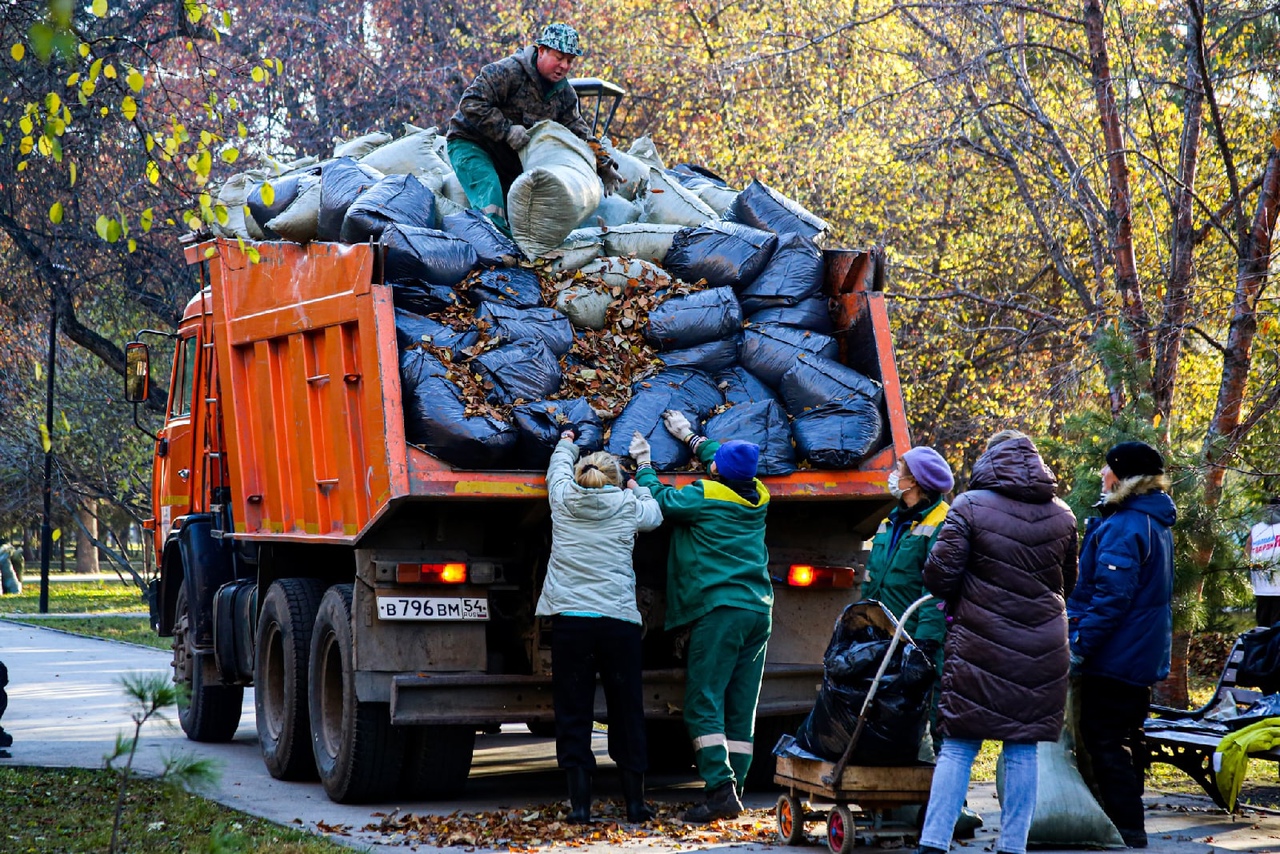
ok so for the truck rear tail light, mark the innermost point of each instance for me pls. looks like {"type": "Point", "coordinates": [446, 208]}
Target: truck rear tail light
{"type": "Point", "coordinates": [431, 573]}
{"type": "Point", "coordinates": [805, 575]}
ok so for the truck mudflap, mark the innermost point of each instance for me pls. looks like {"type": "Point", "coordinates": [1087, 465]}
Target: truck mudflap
{"type": "Point", "coordinates": [788, 689]}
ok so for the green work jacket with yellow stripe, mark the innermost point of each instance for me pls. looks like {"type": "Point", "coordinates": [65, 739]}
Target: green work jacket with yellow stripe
{"type": "Point", "coordinates": [894, 576]}
{"type": "Point", "coordinates": [717, 557]}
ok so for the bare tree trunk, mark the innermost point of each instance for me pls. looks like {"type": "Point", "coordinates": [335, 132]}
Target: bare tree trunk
{"type": "Point", "coordinates": [1173, 690]}
{"type": "Point", "coordinates": [86, 551]}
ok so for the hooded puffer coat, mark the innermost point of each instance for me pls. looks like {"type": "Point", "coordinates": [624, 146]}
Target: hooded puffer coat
{"type": "Point", "coordinates": [593, 532]}
{"type": "Point", "coordinates": [1003, 564]}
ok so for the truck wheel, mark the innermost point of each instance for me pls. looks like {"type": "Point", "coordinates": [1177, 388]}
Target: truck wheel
{"type": "Point", "coordinates": [670, 750]}
{"type": "Point", "coordinates": [280, 677]}
{"type": "Point", "coordinates": [357, 751]}
{"type": "Point", "coordinates": [208, 713]}
{"type": "Point", "coordinates": [437, 761]}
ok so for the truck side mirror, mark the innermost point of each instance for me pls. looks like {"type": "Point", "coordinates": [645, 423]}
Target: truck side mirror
{"type": "Point", "coordinates": [137, 372]}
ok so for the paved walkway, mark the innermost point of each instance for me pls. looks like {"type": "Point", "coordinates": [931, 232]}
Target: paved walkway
{"type": "Point", "coordinates": [66, 707]}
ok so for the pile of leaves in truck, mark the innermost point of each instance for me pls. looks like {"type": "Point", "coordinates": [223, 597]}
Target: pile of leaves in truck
{"type": "Point", "coordinates": [678, 292]}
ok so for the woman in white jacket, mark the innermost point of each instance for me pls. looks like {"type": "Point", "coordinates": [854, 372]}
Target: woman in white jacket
{"type": "Point", "coordinates": [590, 596]}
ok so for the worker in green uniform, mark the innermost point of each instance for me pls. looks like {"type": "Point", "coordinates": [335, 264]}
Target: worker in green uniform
{"type": "Point", "coordinates": [717, 584]}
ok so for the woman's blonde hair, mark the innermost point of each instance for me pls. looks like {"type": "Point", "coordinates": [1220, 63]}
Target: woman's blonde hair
{"type": "Point", "coordinates": [599, 469]}
{"type": "Point", "coordinates": [1006, 435]}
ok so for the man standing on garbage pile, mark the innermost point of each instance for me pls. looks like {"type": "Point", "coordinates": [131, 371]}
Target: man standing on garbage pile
{"type": "Point", "coordinates": [1122, 625]}
{"type": "Point", "coordinates": [717, 584]}
{"type": "Point", "coordinates": [1003, 564]}
{"type": "Point", "coordinates": [496, 111]}
{"type": "Point", "coordinates": [1263, 549]}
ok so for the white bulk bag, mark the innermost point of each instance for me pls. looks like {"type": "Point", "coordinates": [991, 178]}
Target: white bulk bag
{"type": "Point", "coordinates": [451, 189]}
{"type": "Point", "coordinates": [649, 241]}
{"type": "Point", "coordinates": [613, 210]}
{"type": "Point", "coordinates": [300, 221]}
{"type": "Point", "coordinates": [635, 170]}
{"type": "Point", "coordinates": [581, 247]}
{"type": "Point", "coordinates": [718, 198]}
{"type": "Point", "coordinates": [557, 188]}
{"type": "Point", "coordinates": [233, 195]}
{"type": "Point", "coordinates": [411, 154]}
{"type": "Point", "coordinates": [360, 146]}
{"type": "Point", "coordinates": [585, 306]}
{"type": "Point", "coordinates": [644, 149]}
{"type": "Point", "coordinates": [445, 206]}
{"type": "Point", "coordinates": [667, 201]}
{"type": "Point", "coordinates": [284, 167]}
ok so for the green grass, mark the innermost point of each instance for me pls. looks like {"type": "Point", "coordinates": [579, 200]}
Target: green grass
{"type": "Point", "coordinates": [88, 597]}
{"type": "Point", "coordinates": [55, 810]}
{"type": "Point", "coordinates": [130, 629]}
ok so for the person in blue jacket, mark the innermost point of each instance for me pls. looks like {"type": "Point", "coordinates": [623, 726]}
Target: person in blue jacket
{"type": "Point", "coordinates": [1121, 625]}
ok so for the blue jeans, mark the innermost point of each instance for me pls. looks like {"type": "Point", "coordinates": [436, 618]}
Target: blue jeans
{"type": "Point", "coordinates": [951, 785]}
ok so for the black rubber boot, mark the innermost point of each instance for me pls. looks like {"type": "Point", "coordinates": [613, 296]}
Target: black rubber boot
{"type": "Point", "coordinates": [1135, 837]}
{"type": "Point", "coordinates": [633, 793]}
{"type": "Point", "coordinates": [579, 795]}
{"type": "Point", "coordinates": [722, 802]}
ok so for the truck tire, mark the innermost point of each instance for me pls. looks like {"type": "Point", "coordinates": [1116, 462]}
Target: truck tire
{"type": "Point", "coordinates": [280, 655]}
{"type": "Point", "coordinates": [358, 752]}
{"type": "Point", "coordinates": [209, 713]}
{"type": "Point", "coordinates": [670, 750]}
{"type": "Point", "coordinates": [437, 761]}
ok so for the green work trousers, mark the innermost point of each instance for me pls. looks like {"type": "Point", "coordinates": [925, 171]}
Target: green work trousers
{"type": "Point", "coordinates": [722, 688]}
{"type": "Point", "coordinates": [479, 178]}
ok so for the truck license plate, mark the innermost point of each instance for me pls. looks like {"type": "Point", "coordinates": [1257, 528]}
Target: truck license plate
{"type": "Point", "coordinates": [432, 608]}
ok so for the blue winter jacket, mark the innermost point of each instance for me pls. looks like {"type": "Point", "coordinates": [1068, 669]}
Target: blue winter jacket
{"type": "Point", "coordinates": [1121, 612]}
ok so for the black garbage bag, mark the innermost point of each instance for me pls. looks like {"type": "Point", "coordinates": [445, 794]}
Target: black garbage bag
{"type": "Point", "coordinates": [814, 380]}
{"type": "Point", "coordinates": [760, 206]}
{"type": "Point", "coordinates": [423, 297]}
{"type": "Point", "coordinates": [686, 321]}
{"type": "Point", "coordinates": [793, 274]}
{"type": "Point", "coordinates": [769, 350]}
{"type": "Point", "coordinates": [766, 424]}
{"type": "Point", "coordinates": [426, 254]}
{"type": "Point", "coordinates": [341, 183]}
{"type": "Point", "coordinates": [436, 419]}
{"type": "Point", "coordinates": [696, 389]}
{"type": "Point", "coordinates": [493, 248]}
{"type": "Point", "coordinates": [726, 254]}
{"type": "Point", "coordinates": [395, 200]}
{"type": "Point", "coordinates": [414, 330]}
{"type": "Point", "coordinates": [1260, 665]}
{"type": "Point", "coordinates": [284, 191]}
{"type": "Point", "coordinates": [738, 385]}
{"type": "Point", "coordinates": [838, 435]}
{"type": "Point", "coordinates": [899, 711]}
{"type": "Point", "coordinates": [544, 324]}
{"type": "Point", "coordinates": [520, 372]}
{"type": "Point", "coordinates": [711, 357]}
{"type": "Point", "coordinates": [812, 313]}
{"type": "Point", "coordinates": [541, 423]}
{"type": "Point", "coordinates": [643, 414]}
{"type": "Point", "coordinates": [693, 175]}
{"type": "Point", "coordinates": [507, 285]}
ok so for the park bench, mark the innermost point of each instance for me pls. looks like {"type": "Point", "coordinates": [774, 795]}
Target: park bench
{"type": "Point", "coordinates": [1187, 739]}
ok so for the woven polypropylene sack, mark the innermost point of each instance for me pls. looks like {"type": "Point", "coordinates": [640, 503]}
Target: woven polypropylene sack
{"type": "Point", "coordinates": [649, 241]}
{"type": "Point", "coordinates": [284, 192]}
{"type": "Point", "coordinates": [395, 200]}
{"type": "Point", "coordinates": [814, 380]}
{"type": "Point", "coordinates": [838, 435]}
{"type": "Point", "coordinates": [411, 154]}
{"type": "Point", "coordinates": [760, 206]}
{"type": "Point", "coordinates": [509, 324]}
{"type": "Point", "coordinates": [232, 195]}
{"type": "Point", "coordinates": [633, 169]}
{"type": "Point", "coordinates": [692, 319]}
{"type": "Point", "coordinates": [769, 351]}
{"type": "Point", "coordinates": [718, 198]}
{"type": "Point", "coordinates": [426, 254]}
{"type": "Point", "coordinates": [613, 210]}
{"type": "Point", "coordinates": [793, 274]}
{"type": "Point", "coordinates": [764, 423]}
{"type": "Point", "coordinates": [581, 247]}
{"type": "Point", "coordinates": [666, 201]}
{"type": "Point", "coordinates": [586, 307]}
{"type": "Point", "coordinates": [300, 221]}
{"type": "Point", "coordinates": [436, 418]}
{"type": "Point", "coordinates": [360, 145]}
{"type": "Point", "coordinates": [643, 149]}
{"type": "Point", "coordinates": [623, 272]}
{"type": "Point", "coordinates": [556, 190]}
{"type": "Point", "coordinates": [724, 253]}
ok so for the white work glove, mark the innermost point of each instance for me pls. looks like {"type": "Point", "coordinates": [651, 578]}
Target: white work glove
{"type": "Point", "coordinates": [611, 178]}
{"type": "Point", "coordinates": [517, 137]}
{"type": "Point", "coordinates": [640, 449]}
{"type": "Point", "coordinates": [677, 425]}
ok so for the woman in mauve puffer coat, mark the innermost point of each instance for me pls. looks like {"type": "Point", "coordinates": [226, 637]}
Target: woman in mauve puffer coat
{"type": "Point", "coordinates": [1003, 564]}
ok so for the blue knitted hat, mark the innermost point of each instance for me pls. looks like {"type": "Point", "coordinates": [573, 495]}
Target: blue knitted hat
{"type": "Point", "coordinates": [737, 460]}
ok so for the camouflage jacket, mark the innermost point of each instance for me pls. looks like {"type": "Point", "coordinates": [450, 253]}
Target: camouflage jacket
{"type": "Point", "coordinates": [510, 92]}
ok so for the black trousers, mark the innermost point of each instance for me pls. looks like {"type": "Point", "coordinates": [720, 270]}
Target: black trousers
{"type": "Point", "coordinates": [1111, 716]}
{"type": "Point", "coordinates": [581, 647]}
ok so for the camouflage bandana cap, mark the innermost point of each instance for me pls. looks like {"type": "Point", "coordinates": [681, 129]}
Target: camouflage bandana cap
{"type": "Point", "coordinates": [561, 37]}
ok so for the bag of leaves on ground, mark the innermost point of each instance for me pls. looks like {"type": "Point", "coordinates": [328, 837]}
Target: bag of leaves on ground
{"type": "Point", "coordinates": [395, 200]}
{"type": "Point", "coordinates": [691, 319]}
{"type": "Point", "coordinates": [739, 385]}
{"type": "Point", "coordinates": [793, 274]}
{"type": "Point", "coordinates": [814, 380]}
{"type": "Point", "coordinates": [272, 197]}
{"type": "Point", "coordinates": [649, 241]}
{"type": "Point", "coordinates": [541, 423]}
{"type": "Point", "coordinates": [514, 286]}
{"type": "Point", "coordinates": [520, 372]}
{"type": "Point", "coordinates": [509, 324]}
{"type": "Point", "coordinates": [341, 183]}
{"type": "Point", "coordinates": [422, 297]}
{"type": "Point", "coordinates": [840, 434]}
{"type": "Point", "coordinates": [899, 711]}
{"type": "Point", "coordinates": [812, 314]}
{"type": "Point", "coordinates": [760, 206]}
{"type": "Point", "coordinates": [493, 248]}
{"type": "Point", "coordinates": [666, 201]}
{"type": "Point", "coordinates": [414, 330]}
{"type": "Point", "coordinates": [713, 356]}
{"type": "Point", "coordinates": [300, 221]}
{"type": "Point", "coordinates": [427, 254]}
{"type": "Point", "coordinates": [764, 423]}
{"type": "Point", "coordinates": [556, 190]}
{"type": "Point", "coordinates": [412, 154]}
{"type": "Point", "coordinates": [724, 253]}
{"type": "Point", "coordinates": [769, 350]}
{"type": "Point", "coordinates": [435, 417]}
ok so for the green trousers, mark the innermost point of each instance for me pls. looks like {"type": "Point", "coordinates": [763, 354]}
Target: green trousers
{"type": "Point", "coordinates": [722, 688]}
{"type": "Point", "coordinates": [479, 178]}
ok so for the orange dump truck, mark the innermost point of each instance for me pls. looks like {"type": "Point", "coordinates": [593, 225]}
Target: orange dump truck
{"type": "Point", "coordinates": [380, 601]}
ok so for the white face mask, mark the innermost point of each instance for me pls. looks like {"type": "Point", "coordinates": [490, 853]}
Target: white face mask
{"type": "Point", "coordinates": [894, 489]}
